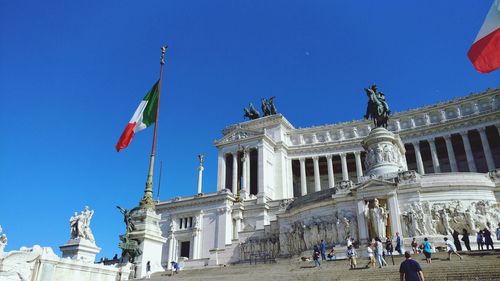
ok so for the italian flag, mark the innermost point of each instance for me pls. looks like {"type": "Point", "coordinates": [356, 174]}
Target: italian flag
{"type": "Point", "coordinates": [485, 52]}
{"type": "Point", "coordinates": [143, 117]}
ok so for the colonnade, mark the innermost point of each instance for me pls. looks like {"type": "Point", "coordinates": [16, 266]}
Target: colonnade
{"type": "Point", "coordinates": [331, 175]}
{"type": "Point", "coordinates": [239, 178]}
{"type": "Point", "coordinates": [464, 135]}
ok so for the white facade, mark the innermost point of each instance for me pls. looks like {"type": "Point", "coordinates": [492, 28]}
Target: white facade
{"type": "Point", "coordinates": [282, 189]}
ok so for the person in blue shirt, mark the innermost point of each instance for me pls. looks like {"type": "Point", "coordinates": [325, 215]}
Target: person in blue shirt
{"type": "Point", "coordinates": [410, 270]}
{"type": "Point", "coordinates": [427, 249]}
{"type": "Point", "coordinates": [322, 248]}
{"type": "Point", "coordinates": [399, 244]}
{"type": "Point", "coordinates": [175, 266]}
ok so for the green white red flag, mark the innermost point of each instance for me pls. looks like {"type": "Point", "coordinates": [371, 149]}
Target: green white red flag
{"type": "Point", "coordinates": [485, 51]}
{"type": "Point", "coordinates": [143, 117]}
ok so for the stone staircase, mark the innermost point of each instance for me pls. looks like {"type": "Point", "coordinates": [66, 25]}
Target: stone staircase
{"type": "Point", "coordinates": [476, 265]}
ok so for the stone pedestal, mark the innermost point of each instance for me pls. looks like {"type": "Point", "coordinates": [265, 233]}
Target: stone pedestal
{"type": "Point", "coordinates": [384, 154]}
{"type": "Point", "coordinates": [148, 234]}
{"type": "Point", "coordinates": [80, 249]}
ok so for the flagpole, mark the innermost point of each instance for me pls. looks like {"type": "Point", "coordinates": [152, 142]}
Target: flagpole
{"type": "Point", "coordinates": [147, 200]}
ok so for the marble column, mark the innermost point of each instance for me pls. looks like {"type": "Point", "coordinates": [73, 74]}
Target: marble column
{"type": "Point", "coordinates": [331, 178]}
{"type": "Point", "coordinates": [235, 173]}
{"type": "Point", "coordinates": [418, 156]}
{"type": "Point", "coordinates": [200, 172]}
{"type": "Point", "coordinates": [260, 170]}
{"type": "Point", "coordinates": [244, 176]}
{"type": "Point", "coordinates": [451, 153]}
{"type": "Point", "coordinates": [468, 152]}
{"type": "Point", "coordinates": [487, 150]}
{"type": "Point", "coordinates": [221, 157]}
{"type": "Point", "coordinates": [435, 159]}
{"type": "Point", "coordinates": [343, 160]}
{"type": "Point", "coordinates": [392, 201]}
{"type": "Point", "coordinates": [170, 249]}
{"type": "Point", "coordinates": [317, 182]}
{"type": "Point", "coordinates": [303, 179]}
{"type": "Point", "coordinates": [359, 167]}
{"type": "Point", "coordinates": [362, 224]}
{"type": "Point", "coordinates": [195, 234]}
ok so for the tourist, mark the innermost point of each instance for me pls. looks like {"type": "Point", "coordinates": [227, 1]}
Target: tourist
{"type": "Point", "coordinates": [175, 267]}
{"type": "Point", "coordinates": [427, 249]}
{"type": "Point", "coordinates": [414, 245]}
{"type": "Point", "coordinates": [148, 270]}
{"type": "Point", "coordinates": [371, 256]}
{"type": "Point", "coordinates": [389, 248]}
{"type": "Point", "coordinates": [487, 239]}
{"type": "Point", "coordinates": [451, 248]}
{"type": "Point", "coordinates": [331, 255]}
{"type": "Point", "coordinates": [351, 255]}
{"type": "Point", "coordinates": [465, 238]}
{"type": "Point", "coordinates": [322, 248]}
{"type": "Point", "coordinates": [379, 252]}
{"type": "Point", "coordinates": [316, 256]}
{"type": "Point", "coordinates": [479, 240]}
{"type": "Point", "coordinates": [410, 270]}
{"type": "Point", "coordinates": [399, 244]}
{"type": "Point", "coordinates": [349, 241]}
{"type": "Point", "coordinates": [456, 241]}
{"type": "Point", "coordinates": [498, 231]}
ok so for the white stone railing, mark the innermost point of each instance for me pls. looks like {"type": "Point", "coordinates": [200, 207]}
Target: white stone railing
{"type": "Point", "coordinates": [469, 106]}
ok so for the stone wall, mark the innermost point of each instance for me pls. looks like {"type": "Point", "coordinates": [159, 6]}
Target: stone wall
{"type": "Point", "coordinates": [41, 264]}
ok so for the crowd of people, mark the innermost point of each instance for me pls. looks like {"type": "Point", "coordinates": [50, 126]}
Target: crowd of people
{"type": "Point", "coordinates": [410, 269]}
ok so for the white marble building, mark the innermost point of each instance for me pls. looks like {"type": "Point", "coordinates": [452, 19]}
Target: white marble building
{"type": "Point", "coordinates": [281, 189]}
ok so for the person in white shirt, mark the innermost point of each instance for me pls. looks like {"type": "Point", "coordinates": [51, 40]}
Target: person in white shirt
{"type": "Point", "coordinates": [371, 255]}
{"type": "Point", "coordinates": [451, 248]}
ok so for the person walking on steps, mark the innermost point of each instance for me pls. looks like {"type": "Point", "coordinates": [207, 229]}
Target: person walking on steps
{"type": "Point", "coordinates": [322, 248]}
{"type": "Point", "coordinates": [410, 269]}
{"type": "Point", "coordinates": [315, 256]}
{"type": "Point", "coordinates": [427, 249]}
{"type": "Point", "coordinates": [399, 244]}
{"type": "Point", "coordinates": [487, 239]}
{"type": "Point", "coordinates": [465, 238]}
{"type": "Point", "coordinates": [451, 248]}
{"type": "Point", "coordinates": [456, 241]}
{"type": "Point", "coordinates": [480, 240]}
{"type": "Point", "coordinates": [379, 253]}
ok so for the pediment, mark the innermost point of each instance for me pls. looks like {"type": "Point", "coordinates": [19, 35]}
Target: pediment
{"type": "Point", "coordinates": [375, 184]}
{"type": "Point", "coordinates": [238, 134]}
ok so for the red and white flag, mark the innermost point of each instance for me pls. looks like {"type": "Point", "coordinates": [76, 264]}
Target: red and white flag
{"type": "Point", "coordinates": [485, 52]}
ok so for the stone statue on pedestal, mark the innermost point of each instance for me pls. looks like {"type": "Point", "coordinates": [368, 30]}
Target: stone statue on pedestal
{"type": "Point", "coordinates": [3, 241]}
{"type": "Point", "coordinates": [377, 108]}
{"type": "Point", "coordinates": [130, 247]}
{"type": "Point", "coordinates": [377, 218]}
{"type": "Point", "coordinates": [80, 225]}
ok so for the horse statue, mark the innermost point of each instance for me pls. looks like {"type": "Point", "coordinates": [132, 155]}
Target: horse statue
{"type": "Point", "coordinates": [268, 106]}
{"type": "Point", "coordinates": [251, 113]}
{"type": "Point", "coordinates": [377, 108]}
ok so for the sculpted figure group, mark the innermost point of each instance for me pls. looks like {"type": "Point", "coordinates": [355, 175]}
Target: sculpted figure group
{"type": "Point", "coordinates": [443, 218]}
{"type": "Point", "coordinates": [302, 235]}
{"type": "Point", "coordinates": [3, 241]}
{"type": "Point", "coordinates": [267, 106]}
{"type": "Point", "coordinates": [376, 218]}
{"type": "Point", "coordinates": [80, 225]}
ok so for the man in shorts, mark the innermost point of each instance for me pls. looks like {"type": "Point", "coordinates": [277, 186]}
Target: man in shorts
{"type": "Point", "coordinates": [451, 248]}
{"type": "Point", "coordinates": [351, 255]}
{"type": "Point", "coordinates": [410, 270]}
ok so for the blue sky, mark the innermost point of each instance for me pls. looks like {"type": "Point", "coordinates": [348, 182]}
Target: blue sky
{"type": "Point", "coordinates": [73, 72]}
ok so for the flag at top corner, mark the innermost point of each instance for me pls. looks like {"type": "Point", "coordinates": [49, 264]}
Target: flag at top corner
{"type": "Point", "coordinates": [485, 51]}
{"type": "Point", "coordinates": [143, 117]}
